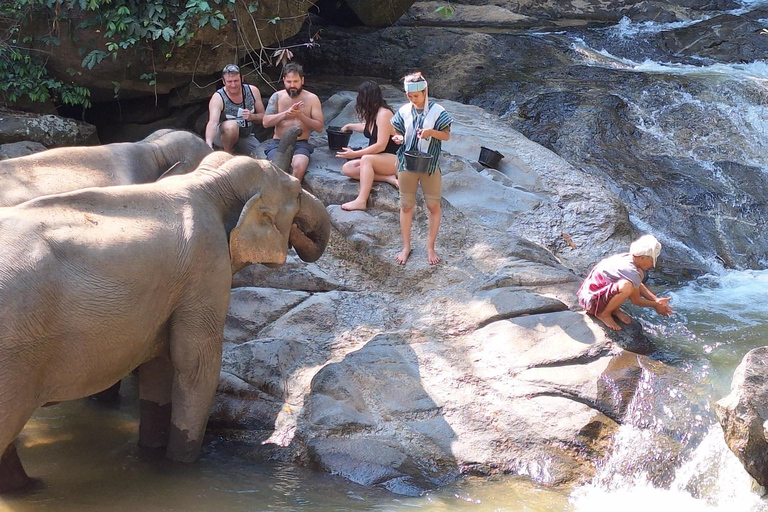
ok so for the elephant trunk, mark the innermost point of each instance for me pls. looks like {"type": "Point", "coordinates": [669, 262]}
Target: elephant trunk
{"type": "Point", "coordinates": [284, 152]}
{"type": "Point", "coordinates": [312, 228]}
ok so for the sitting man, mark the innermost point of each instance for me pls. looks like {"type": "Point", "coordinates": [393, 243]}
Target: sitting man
{"type": "Point", "coordinates": [232, 113]}
{"type": "Point", "coordinates": [620, 277]}
{"type": "Point", "coordinates": [294, 106]}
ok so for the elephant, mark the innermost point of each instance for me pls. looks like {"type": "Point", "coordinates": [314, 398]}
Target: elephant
{"type": "Point", "coordinates": [97, 282]}
{"type": "Point", "coordinates": [71, 168]}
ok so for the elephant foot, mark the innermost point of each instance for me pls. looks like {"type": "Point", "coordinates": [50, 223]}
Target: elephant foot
{"type": "Point", "coordinates": [12, 474]}
{"type": "Point", "coordinates": [181, 448]}
{"type": "Point", "coordinates": [154, 424]}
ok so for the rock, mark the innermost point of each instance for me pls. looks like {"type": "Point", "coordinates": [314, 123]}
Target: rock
{"type": "Point", "coordinates": [724, 38]}
{"type": "Point", "coordinates": [250, 309]}
{"type": "Point", "coordinates": [373, 13]}
{"type": "Point", "coordinates": [273, 21]}
{"type": "Point", "coordinates": [48, 130]}
{"type": "Point", "coordinates": [14, 149]}
{"type": "Point", "coordinates": [293, 275]}
{"type": "Point", "coordinates": [407, 377]}
{"type": "Point", "coordinates": [429, 13]}
{"type": "Point", "coordinates": [743, 416]}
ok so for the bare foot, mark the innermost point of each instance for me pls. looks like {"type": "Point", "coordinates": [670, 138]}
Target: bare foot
{"type": "Point", "coordinates": [392, 180]}
{"type": "Point", "coordinates": [432, 257]}
{"type": "Point", "coordinates": [402, 256]}
{"type": "Point", "coordinates": [608, 321]}
{"type": "Point", "coordinates": [622, 316]}
{"type": "Point", "coordinates": [354, 205]}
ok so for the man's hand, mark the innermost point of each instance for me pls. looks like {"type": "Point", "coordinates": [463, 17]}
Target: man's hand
{"type": "Point", "coordinates": [295, 110]}
{"type": "Point", "coordinates": [662, 306]}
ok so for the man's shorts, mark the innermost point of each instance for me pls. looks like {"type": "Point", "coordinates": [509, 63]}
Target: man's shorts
{"type": "Point", "coordinates": [302, 148]}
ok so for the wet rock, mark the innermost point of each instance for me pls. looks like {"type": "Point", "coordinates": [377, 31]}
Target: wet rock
{"type": "Point", "coordinates": [743, 416]}
{"type": "Point", "coordinates": [724, 38]}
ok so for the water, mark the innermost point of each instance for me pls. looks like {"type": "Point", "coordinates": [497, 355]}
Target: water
{"type": "Point", "coordinates": [86, 454]}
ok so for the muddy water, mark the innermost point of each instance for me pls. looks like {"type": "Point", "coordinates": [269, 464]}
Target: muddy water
{"type": "Point", "coordinates": [86, 457]}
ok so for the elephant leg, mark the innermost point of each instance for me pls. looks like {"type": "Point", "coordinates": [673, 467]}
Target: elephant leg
{"type": "Point", "coordinates": [12, 474]}
{"type": "Point", "coordinates": [155, 381]}
{"type": "Point", "coordinates": [196, 358]}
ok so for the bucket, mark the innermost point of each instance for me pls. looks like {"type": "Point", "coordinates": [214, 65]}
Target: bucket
{"type": "Point", "coordinates": [417, 161]}
{"type": "Point", "coordinates": [337, 139]}
{"type": "Point", "coordinates": [489, 157]}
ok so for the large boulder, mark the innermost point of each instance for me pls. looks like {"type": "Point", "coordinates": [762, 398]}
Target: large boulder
{"type": "Point", "coordinates": [743, 414]}
{"type": "Point", "coordinates": [272, 22]}
{"type": "Point", "coordinates": [407, 377]}
{"type": "Point", "coordinates": [48, 130]}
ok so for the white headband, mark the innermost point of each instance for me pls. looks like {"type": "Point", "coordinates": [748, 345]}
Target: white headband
{"type": "Point", "coordinates": [415, 86]}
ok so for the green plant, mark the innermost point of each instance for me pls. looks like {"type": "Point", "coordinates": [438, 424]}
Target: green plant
{"type": "Point", "coordinates": [445, 11]}
{"type": "Point", "coordinates": [153, 28]}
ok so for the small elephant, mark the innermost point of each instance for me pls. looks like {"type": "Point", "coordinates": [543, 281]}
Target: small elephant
{"type": "Point", "coordinates": [97, 282]}
{"type": "Point", "coordinates": [71, 168]}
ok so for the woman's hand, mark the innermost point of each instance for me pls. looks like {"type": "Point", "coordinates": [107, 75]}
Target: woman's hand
{"type": "Point", "coordinates": [348, 153]}
{"type": "Point", "coordinates": [397, 139]}
{"type": "Point", "coordinates": [346, 128]}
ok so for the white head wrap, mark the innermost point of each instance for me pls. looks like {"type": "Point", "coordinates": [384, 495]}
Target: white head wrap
{"type": "Point", "coordinates": [414, 83]}
{"type": "Point", "coordinates": [646, 245]}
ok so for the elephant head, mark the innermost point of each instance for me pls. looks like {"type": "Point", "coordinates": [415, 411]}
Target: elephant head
{"type": "Point", "coordinates": [277, 214]}
{"type": "Point", "coordinates": [175, 151]}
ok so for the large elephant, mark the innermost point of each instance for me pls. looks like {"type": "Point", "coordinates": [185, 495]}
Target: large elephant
{"type": "Point", "coordinates": [97, 282]}
{"type": "Point", "coordinates": [71, 168]}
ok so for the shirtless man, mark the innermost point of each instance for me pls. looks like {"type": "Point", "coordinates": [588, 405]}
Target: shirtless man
{"type": "Point", "coordinates": [232, 112]}
{"type": "Point", "coordinates": [294, 106]}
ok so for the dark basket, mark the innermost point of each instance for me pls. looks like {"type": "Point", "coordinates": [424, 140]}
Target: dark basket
{"type": "Point", "coordinates": [489, 157]}
{"type": "Point", "coordinates": [337, 139]}
{"type": "Point", "coordinates": [417, 161]}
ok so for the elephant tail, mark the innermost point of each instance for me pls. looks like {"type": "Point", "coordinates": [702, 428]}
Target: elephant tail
{"type": "Point", "coordinates": [284, 153]}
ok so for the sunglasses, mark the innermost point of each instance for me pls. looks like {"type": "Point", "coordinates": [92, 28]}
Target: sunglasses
{"type": "Point", "coordinates": [230, 68]}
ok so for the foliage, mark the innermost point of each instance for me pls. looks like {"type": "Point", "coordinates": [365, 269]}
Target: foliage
{"type": "Point", "coordinates": [445, 11]}
{"type": "Point", "coordinates": [24, 74]}
{"type": "Point", "coordinates": [143, 25]}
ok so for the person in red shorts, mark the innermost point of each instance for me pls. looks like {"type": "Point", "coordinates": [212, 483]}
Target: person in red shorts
{"type": "Point", "coordinates": [619, 278]}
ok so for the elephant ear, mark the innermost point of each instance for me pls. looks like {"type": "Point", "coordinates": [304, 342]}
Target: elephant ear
{"type": "Point", "coordinates": [256, 239]}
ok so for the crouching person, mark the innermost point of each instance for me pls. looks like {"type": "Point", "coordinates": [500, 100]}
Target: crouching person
{"type": "Point", "coordinates": [619, 278]}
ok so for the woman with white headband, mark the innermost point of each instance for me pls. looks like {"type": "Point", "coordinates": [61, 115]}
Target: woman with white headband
{"type": "Point", "coordinates": [620, 277]}
{"type": "Point", "coordinates": [421, 125]}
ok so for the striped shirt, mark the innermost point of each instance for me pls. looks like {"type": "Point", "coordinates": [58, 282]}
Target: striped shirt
{"type": "Point", "coordinates": [443, 121]}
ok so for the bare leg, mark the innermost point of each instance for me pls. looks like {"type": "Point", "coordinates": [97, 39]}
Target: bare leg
{"type": "Point", "coordinates": [622, 316]}
{"type": "Point", "coordinates": [351, 169]}
{"type": "Point", "coordinates": [379, 167]}
{"type": "Point", "coordinates": [606, 314]}
{"type": "Point", "coordinates": [230, 133]}
{"type": "Point", "coordinates": [299, 164]}
{"type": "Point", "coordinates": [434, 227]}
{"type": "Point", "coordinates": [406, 220]}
